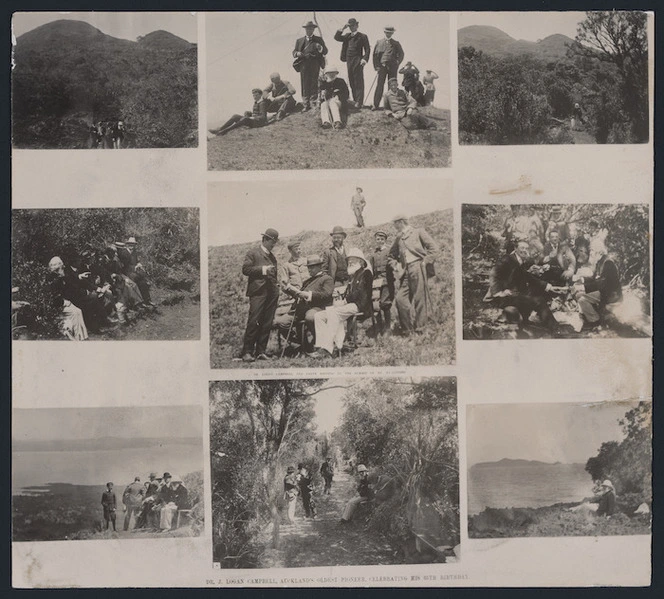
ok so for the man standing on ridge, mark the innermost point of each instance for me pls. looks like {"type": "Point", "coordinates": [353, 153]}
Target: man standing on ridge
{"type": "Point", "coordinates": [309, 55]}
{"type": "Point", "coordinates": [355, 52]}
{"type": "Point", "coordinates": [387, 56]}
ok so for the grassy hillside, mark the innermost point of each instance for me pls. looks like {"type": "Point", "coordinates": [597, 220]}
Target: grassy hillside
{"type": "Point", "coordinates": [370, 140]}
{"type": "Point", "coordinates": [68, 74]}
{"type": "Point", "coordinates": [229, 306]}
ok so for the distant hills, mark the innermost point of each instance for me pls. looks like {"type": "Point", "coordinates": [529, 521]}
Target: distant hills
{"type": "Point", "coordinates": [100, 443]}
{"type": "Point", "coordinates": [69, 74]}
{"type": "Point", "coordinates": [518, 463]}
{"type": "Point", "coordinates": [496, 42]}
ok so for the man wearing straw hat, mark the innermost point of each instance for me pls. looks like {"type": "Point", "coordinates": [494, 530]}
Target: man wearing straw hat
{"type": "Point", "coordinates": [260, 266]}
{"type": "Point", "coordinates": [411, 257]}
{"type": "Point", "coordinates": [333, 98]}
{"type": "Point", "coordinates": [387, 56]}
{"type": "Point", "coordinates": [355, 52]}
{"type": "Point", "coordinates": [309, 55]}
{"type": "Point", "coordinates": [133, 268]}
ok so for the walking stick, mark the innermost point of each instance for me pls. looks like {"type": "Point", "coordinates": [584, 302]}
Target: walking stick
{"type": "Point", "coordinates": [290, 328]}
{"type": "Point", "coordinates": [370, 88]}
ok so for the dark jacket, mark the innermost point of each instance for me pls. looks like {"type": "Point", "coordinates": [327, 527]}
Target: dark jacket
{"type": "Point", "coordinates": [129, 260]}
{"type": "Point", "coordinates": [108, 499]}
{"type": "Point", "coordinates": [387, 51]}
{"type": "Point", "coordinates": [337, 87]}
{"type": "Point", "coordinates": [364, 489]}
{"type": "Point", "coordinates": [290, 484]}
{"type": "Point", "coordinates": [179, 496]}
{"type": "Point", "coordinates": [358, 291]}
{"type": "Point", "coordinates": [310, 51]}
{"type": "Point", "coordinates": [327, 470]}
{"type": "Point", "coordinates": [321, 287]}
{"type": "Point", "coordinates": [606, 281]}
{"type": "Point", "coordinates": [335, 265]}
{"type": "Point", "coordinates": [607, 504]}
{"type": "Point", "coordinates": [509, 274]}
{"type": "Point", "coordinates": [69, 287]}
{"type": "Point", "coordinates": [252, 267]}
{"type": "Point", "coordinates": [353, 46]}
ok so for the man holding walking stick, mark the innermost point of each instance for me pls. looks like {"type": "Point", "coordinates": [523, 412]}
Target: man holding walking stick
{"type": "Point", "coordinates": [315, 295]}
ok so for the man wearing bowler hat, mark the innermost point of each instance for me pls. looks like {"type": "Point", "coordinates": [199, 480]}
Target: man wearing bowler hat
{"type": "Point", "coordinates": [355, 52]}
{"type": "Point", "coordinates": [335, 263]}
{"type": "Point", "coordinates": [309, 55]}
{"type": "Point", "coordinates": [260, 265]}
{"type": "Point", "coordinates": [315, 295]}
{"type": "Point", "coordinates": [387, 56]}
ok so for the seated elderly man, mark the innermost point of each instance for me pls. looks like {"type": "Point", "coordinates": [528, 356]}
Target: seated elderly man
{"type": "Point", "coordinates": [256, 117]}
{"type": "Point", "coordinates": [329, 323]}
{"type": "Point", "coordinates": [315, 295]}
{"type": "Point", "coordinates": [601, 289]}
{"type": "Point", "coordinates": [399, 105]}
{"type": "Point", "coordinates": [172, 496]}
{"type": "Point", "coordinates": [69, 288]}
{"type": "Point", "coordinates": [334, 96]}
{"type": "Point", "coordinates": [279, 95]}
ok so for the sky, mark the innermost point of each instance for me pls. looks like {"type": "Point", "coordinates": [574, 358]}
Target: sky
{"type": "Point", "coordinates": [49, 424]}
{"type": "Point", "coordinates": [530, 26]}
{"type": "Point", "coordinates": [244, 48]}
{"type": "Point", "coordinates": [117, 24]}
{"type": "Point", "coordinates": [560, 432]}
{"type": "Point", "coordinates": [329, 407]}
{"type": "Point", "coordinates": [295, 206]}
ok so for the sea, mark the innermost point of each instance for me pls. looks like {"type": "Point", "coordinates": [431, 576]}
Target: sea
{"type": "Point", "coordinates": [120, 466]}
{"type": "Point", "coordinates": [526, 485]}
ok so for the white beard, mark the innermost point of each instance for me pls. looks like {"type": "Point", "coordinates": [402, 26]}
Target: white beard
{"type": "Point", "coordinates": [353, 269]}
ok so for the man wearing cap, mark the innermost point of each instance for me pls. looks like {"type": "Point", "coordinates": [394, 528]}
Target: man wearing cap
{"type": "Point", "coordinates": [132, 498]}
{"type": "Point", "coordinates": [357, 203]}
{"type": "Point", "coordinates": [387, 56]}
{"type": "Point", "coordinates": [364, 493]}
{"type": "Point", "coordinates": [355, 52]}
{"type": "Point", "coordinates": [309, 55]}
{"type": "Point", "coordinates": [412, 250]}
{"type": "Point", "coordinates": [279, 96]}
{"type": "Point", "coordinates": [314, 296]}
{"type": "Point", "coordinates": [334, 258]}
{"type": "Point", "coordinates": [291, 491]}
{"type": "Point", "coordinates": [109, 505]}
{"type": "Point", "coordinates": [294, 272]}
{"type": "Point", "coordinates": [329, 323]}
{"type": "Point", "coordinates": [333, 97]}
{"type": "Point", "coordinates": [260, 266]}
{"type": "Point", "coordinates": [257, 117]}
{"type": "Point", "coordinates": [133, 268]}
{"type": "Point", "coordinates": [402, 107]}
{"type": "Point", "coordinates": [383, 284]}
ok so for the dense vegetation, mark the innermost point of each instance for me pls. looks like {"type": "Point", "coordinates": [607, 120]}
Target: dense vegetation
{"type": "Point", "coordinates": [168, 240]}
{"type": "Point", "coordinates": [69, 75]}
{"type": "Point", "coordinates": [405, 430]}
{"type": "Point", "coordinates": [528, 99]}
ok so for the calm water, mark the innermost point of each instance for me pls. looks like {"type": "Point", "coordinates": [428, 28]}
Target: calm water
{"type": "Point", "coordinates": [526, 486]}
{"type": "Point", "coordinates": [99, 467]}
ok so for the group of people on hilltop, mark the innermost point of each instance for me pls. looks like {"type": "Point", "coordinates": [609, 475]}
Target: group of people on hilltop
{"type": "Point", "coordinates": [554, 270]}
{"type": "Point", "coordinates": [312, 300]}
{"type": "Point", "coordinates": [107, 134]}
{"type": "Point", "coordinates": [153, 504]}
{"type": "Point", "coordinates": [322, 88]}
{"type": "Point", "coordinates": [106, 288]}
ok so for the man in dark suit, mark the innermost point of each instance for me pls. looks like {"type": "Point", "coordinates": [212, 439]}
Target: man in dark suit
{"type": "Point", "coordinates": [604, 288]}
{"type": "Point", "coordinates": [355, 52]}
{"type": "Point", "coordinates": [315, 295]}
{"type": "Point", "coordinates": [133, 268]}
{"type": "Point", "coordinates": [260, 265]}
{"type": "Point", "coordinates": [334, 258]}
{"type": "Point", "coordinates": [329, 323]}
{"type": "Point", "coordinates": [387, 56]}
{"type": "Point", "coordinates": [109, 505]}
{"type": "Point", "coordinates": [511, 285]}
{"type": "Point", "coordinates": [309, 55]}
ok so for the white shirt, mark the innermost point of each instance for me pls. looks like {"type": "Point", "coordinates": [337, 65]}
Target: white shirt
{"type": "Point", "coordinates": [267, 253]}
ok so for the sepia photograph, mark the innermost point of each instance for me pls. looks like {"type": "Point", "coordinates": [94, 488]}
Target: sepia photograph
{"type": "Point", "coordinates": [559, 469]}
{"type": "Point", "coordinates": [328, 90]}
{"type": "Point", "coordinates": [104, 80]}
{"type": "Point", "coordinates": [334, 472]}
{"type": "Point", "coordinates": [553, 78]}
{"type": "Point", "coordinates": [107, 473]}
{"type": "Point", "coordinates": [106, 274]}
{"type": "Point", "coordinates": [331, 274]}
{"type": "Point", "coordinates": [555, 271]}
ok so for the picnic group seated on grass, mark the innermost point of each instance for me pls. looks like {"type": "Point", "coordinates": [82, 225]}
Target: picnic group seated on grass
{"type": "Point", "coordinates": [315, 302]}
{"type": "Point", "coordinates": [108, 287]}
{"type": "Point", "coordinates": [560, 277]}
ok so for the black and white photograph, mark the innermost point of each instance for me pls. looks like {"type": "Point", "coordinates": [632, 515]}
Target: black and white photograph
{"type": "Point", "coordinates": [559, 469]}
{"type": "Point", "coordinates": [331, 274]}
{"type": "Point", "coordinates": [106, 274]}
{"type": "Point", "coordinates": [107, 473]}
{"type": "Point", "coordinates": [334, 472]}
{"type": "Point", "coordinates": [104, 80]}
{"type": "Point", "coordinates": [555, 271]}
{"type": "Point", "coordinates": [328, 90]}
{"type": "Point", "coordinates": [553, 78]}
